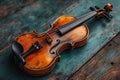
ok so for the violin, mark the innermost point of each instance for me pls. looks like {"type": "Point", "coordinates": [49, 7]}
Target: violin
{"type": "Point", "coordinates": [37, 53]}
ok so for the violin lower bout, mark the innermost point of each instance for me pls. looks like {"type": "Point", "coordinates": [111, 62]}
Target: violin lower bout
{"type": "Point", "coordinates": [44, 60]}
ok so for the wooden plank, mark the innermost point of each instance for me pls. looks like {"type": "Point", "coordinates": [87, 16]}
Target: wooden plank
{"type": "Point", "coordinates": [26, 20]}
{"type": "Point", "coordinates": [29, 18]}
{"type": "Point", "coordinates": [100, 33]}
{"type": "Point", "coordinates": [10, 7]}
{"type": "Point", "coordinates": [104, 65]}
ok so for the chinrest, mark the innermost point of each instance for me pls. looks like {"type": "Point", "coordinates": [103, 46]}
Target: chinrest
{"type": "Point", "coordinates": [18, 50]}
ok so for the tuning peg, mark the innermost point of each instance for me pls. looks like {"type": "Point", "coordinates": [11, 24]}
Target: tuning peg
{"type": "Point", "coordinates": [107, 17]}
{"type": "Point", "coordinates": [110, 16]}
{"type": "Point", "coordinates": [108, 7]}
{"type": "Point", "coordinates": [92, 9]}
{"type": "Point", "coordinates": [97, 7]}
{"type": "Point", "coordinates": [50, 25]}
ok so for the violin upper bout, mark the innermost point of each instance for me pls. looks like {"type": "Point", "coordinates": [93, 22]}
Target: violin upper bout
{"type": "Point", "coordinates": [76, 37]}
{"type": "Point", "coordinates": [62, 20]}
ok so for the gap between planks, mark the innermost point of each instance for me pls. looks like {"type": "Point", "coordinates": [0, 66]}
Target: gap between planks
{"type": "Point", "coordinates": [72, 75]}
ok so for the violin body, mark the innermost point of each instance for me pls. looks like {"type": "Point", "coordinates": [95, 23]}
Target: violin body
{"type": "Point", "coordinates": [43, 60]}
{"type": "Point", "coordinates": [37, 53]}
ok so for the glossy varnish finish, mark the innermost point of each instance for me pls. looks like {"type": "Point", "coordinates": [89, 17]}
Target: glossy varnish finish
{"type": "Point", "coordinates": [43, 50]}
{"type": "Point", "coordinates": [104, 65]}
{"type": "Point", "coordinates": [42, 61]}
{"type": "Point", "coordinates": [38, 15]}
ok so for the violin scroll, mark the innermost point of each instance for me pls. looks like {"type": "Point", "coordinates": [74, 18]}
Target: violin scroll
{"type": "Point", "coordinates": [108, 7]}
{"type": "Point", "coordinates": [103, 12]}
{"type": "Point", "coordinates": [37, 53]}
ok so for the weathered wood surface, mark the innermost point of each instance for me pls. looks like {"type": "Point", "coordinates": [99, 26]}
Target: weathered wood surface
{"type": "Point", "coordinates": [10, 7]}
{"type": "Point", "coordinates": [28, 18]}
{"type": "Point", "coordinates": [104, 65]}
{"type": "Point", "coordinates": [38, 15]}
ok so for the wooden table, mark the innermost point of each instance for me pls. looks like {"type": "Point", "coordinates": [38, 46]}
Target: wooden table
{"type": "Point", "coordinates": [98, 59]}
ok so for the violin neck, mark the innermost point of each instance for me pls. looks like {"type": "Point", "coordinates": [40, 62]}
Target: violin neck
{"type": "Point", "coordinates": [66, 28]}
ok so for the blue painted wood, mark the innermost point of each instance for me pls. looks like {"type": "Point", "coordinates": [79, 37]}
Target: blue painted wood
{"type": "Point", "coordinates": [30, 18]}
{"type": "Point", "coordinates": [10, 7]}
{"type": "Point", "coordinates": [104, 65]}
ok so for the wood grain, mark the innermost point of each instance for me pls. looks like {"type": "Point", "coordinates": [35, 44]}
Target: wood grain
{"type": "Point", "coordinates": [104, 65]}
{"type": "Point", "coordinates": [39, 15]}
{"type": "Point", "coordinates": [12, 7]}
{"type": "Point", "coordinates": [24, 15]}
